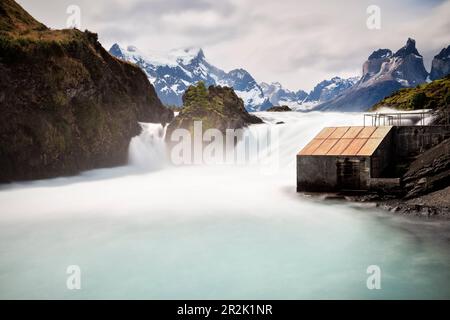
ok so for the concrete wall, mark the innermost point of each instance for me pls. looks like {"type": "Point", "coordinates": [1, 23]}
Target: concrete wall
{"type": "Point", "coordinates": [382, 157]}
{"type": "Point", "coordinates": [326, 173]}
{"type": "Point", "coordinates": [316, 173]}
{"type": "Point", "coordinates": [357, 175]}
{"type": "Point", "coordinates": [384, 184]}
{"type": "Point", "coordinates": [410, 141]}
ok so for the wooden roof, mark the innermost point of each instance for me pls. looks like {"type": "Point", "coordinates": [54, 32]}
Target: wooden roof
{"type": "Point", "coordinates": [346, 141]}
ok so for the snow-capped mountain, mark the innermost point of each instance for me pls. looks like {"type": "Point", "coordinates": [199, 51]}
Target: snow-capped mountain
{"type": "Point", "coordinates": [383, 74]}
{"type": "Point", "coordinates": [300, 100]}
{"type": "Point", "coordinates": [279, 96]}
{"type": "Point", "coordinates": [173, 73]}
{"type": "Point", "coordinates": [329, 89]}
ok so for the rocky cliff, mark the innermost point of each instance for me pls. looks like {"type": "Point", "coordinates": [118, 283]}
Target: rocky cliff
{"type": "Point", "coordinates": [440, 66]}
{"type": "Point", "coordinates": [66, 104]}
{"type": "Point", "coordinates": [217, 107]}
{"type": "Point", "coordinates": [429, 172]}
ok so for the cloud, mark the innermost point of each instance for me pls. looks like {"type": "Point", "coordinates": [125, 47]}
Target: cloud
{"type": "Point", "coordinates": [295, 42]}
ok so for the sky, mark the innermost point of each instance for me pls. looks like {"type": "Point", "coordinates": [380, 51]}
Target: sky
{"type": "Point", "coordinates": [297, 43]}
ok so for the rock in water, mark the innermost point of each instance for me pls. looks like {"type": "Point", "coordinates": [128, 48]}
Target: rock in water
{"type": "Point", "coordinates": [279, 109]}
{"type": "Point", "coordinates": [66, 104]}
{"type": "Point", "coordinates": [217, 107]}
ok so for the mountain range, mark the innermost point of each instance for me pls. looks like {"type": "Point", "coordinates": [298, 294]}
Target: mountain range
{"type": "Point", "coordinates": [173, 73]}
{"type": "Point", "coordinates": [383, 73]}
{"type": "Point", "coordinates": [300, 100]}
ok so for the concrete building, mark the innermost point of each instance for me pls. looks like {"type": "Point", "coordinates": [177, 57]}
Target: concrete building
{"type": "Point", "coordinates": [362, 158]}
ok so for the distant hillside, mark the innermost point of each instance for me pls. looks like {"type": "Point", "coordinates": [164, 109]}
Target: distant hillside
{"type": "Point", "coordinates": [66, 104]}
{"type": "Point", "coordinates": [433, 95]}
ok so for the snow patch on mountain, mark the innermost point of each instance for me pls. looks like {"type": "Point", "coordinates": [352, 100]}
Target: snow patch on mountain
{"type": "Point", "coordinates": [173, 73]}
{"type": "Point", "coordinates": [302, 101]}
{"type": "Point", "coordinates": [279, 96]}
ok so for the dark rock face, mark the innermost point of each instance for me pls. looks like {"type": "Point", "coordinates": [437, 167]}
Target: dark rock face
{"type": "Point", "coordinates": [383, 74]}
{"type": "Point", "coordinates": [279, 109]}
{"type": "Point", "coordinates": [409, 48]}
{"type": "Point", "coordinates": [217, 107]}
{"type": "Point", "coordinates": [373, 64]}
{"type": "Point", "coordinates": [440, 67]}
{"type": "Point", "coordinates": [380, 54]}
{"type": "Point", "coordinates": [66, 104]}
{"type": "Point", "coordinates": [429, 172]}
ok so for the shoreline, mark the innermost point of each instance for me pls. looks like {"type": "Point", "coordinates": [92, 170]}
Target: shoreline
{"type": "Point", "coordinates": [424, 207]}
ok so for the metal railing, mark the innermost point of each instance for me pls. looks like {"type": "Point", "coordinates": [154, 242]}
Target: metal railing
{"type": "Point", "coordinates": [404, 118]}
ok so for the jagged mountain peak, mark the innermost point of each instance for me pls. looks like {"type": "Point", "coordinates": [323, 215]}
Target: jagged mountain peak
{"type": "Point", "coordinates": [444, 54]}
{"type": "Point", "coordinates": [117, 51]}
{"type": "Point", "coordinates": [187, 55]}
{"type": "Point", "coordinates": [330, 88]}
{"type": "Point", "coordinates": [278, 95]}
{"type": "Point", "coordinates": [277, 84]}
{"type": "Point", "coordinates": [409, 48]}
{"type": "Point", "coordinates": [133, 54]}
{"type": "Point", "coordinates": [380, 54]}
{"type": "Point", "coordinates": [383, 74]}
{"type": "Point", "coordinates": [183, 56]}
{"type": "Point", "coordinates": [440, 66]}
{"type": "Point", "coordinates": [240, 74]}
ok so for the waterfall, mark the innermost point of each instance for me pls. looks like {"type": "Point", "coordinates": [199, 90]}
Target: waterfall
{"type": "Point", "coordinates": [275, 142]}
{"type": "Point", "coordinates": [147, 151]}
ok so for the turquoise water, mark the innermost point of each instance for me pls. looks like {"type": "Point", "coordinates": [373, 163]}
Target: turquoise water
{"type": "Point", "coordinates": [211, 232]}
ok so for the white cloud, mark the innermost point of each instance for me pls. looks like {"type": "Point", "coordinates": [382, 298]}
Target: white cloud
{"type": "Point", "coordinates": [295, 42]}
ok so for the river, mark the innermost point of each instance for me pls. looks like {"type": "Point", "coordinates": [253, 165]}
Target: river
{"type": "Point", "coordinates": [157, 231]}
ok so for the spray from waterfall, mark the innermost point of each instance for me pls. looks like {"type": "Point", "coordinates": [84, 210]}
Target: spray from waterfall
{"type": "Point", "coordinates": [148, 150]}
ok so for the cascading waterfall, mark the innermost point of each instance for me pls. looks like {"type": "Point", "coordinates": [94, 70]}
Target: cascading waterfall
{"type": "Point", "coordinates": [281, 136]}
{"type": "Point", "coordinates": [147, 151]}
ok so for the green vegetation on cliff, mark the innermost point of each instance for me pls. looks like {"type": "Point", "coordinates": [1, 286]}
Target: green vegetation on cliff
{"type": "Point", "coordinates": [216, 107]}
{"type": "Point", "coordinates": [66, 104]}
{"type": "Point", "coordinates": [433, 95]}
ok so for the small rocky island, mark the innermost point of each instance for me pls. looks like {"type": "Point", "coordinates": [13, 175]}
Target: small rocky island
{"type": "Point", "coordinates": [279, 109]}
{"type": "Point", "coordinates": [216, 107]}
